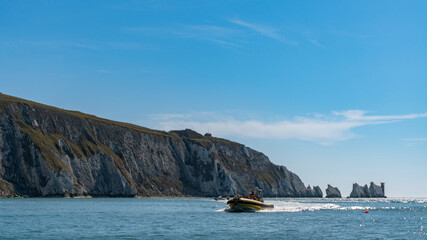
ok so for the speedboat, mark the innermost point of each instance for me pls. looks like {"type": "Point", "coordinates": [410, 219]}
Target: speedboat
{"type": "Point", "coordinates": [243, 204]}
{"type": "Point", "coordinates": [251, 203]}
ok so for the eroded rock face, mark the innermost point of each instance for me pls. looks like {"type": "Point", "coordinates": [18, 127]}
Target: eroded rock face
{"type": "Point", "coordinates": [376, 191]}
{"type": "Point", "coordinates": [7, 189]}
{"type": "Point", "coordinates": [45, 151]}
{"type": "Point", "coordinates": [314, 192]}
{"type": "Point", "coordinates": [373, 191]}
{"type": "Point", "coordinates": [333, 192]}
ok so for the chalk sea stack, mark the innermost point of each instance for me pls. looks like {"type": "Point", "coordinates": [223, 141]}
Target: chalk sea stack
{"type": "Point", "coordinates": [314, 192]}
{"type": "Point", "coordinates": [373, 191]}
{"type": "Point", "coordinates": [47, 151]}
{"type": "Point", "coordinates": [333, 192]}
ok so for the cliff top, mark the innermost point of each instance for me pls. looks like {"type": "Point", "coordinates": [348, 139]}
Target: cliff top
{"type": "Point", "coordinates": [203, 140]}
{"type": "Point", "coordinates": [6, 100]}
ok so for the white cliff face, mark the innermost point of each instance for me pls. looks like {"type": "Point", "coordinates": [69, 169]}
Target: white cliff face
{"type": "Point", "coordinates": [373, 191]}
{"type": "Point", "coordinates": [333, 192]}
{"type": "Point", "coordinates": [226, 168]}
{"type": "Point", "coordinates": [51, 152]}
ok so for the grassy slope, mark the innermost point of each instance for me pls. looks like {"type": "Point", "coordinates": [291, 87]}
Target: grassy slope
{"type": "Point", "coordinates": [6, 99]}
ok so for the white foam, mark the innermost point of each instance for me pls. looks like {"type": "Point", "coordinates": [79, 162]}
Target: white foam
{"type": "Point", "coordinates": [280, 206]}
{"type": "Point", "coordinates": [300, 204]}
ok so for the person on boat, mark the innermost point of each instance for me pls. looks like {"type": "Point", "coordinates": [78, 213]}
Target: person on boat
{"type": "Point", "coordinates": [253, 196]}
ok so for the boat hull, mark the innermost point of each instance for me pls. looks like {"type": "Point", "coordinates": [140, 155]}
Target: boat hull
{"type": "Point", "coordinates": [247, 205]}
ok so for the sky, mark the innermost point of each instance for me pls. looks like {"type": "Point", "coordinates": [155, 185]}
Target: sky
{"type": "Point", "coordinates": [333, 90]}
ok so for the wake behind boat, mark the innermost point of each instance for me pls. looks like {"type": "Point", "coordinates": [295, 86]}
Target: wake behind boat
{"type": "Point", "coordinates": [249, 203]}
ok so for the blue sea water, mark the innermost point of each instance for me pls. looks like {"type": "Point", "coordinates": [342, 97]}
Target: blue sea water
{"type": "Point", "coordinates": [202, 218]}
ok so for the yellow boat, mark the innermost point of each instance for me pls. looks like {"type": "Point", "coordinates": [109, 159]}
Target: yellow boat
{"type": "Point", "coordinates": [243, 204]}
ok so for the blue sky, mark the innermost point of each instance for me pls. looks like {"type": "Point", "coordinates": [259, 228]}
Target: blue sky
{"type": "Point", "coordinates": [333, 90]}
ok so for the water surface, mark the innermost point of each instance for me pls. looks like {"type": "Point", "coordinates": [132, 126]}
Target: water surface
{"type": "Point", "coordinates": [198, 218]}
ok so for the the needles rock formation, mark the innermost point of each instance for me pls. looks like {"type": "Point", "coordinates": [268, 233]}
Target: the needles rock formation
{"type": "Point", "coordinates": [333, 192]}
{"type": "Point", "coordinates": [373, 191]}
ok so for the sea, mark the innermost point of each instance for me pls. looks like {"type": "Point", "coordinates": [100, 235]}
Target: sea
{"type": "Point", "coordinates": [205, 218]}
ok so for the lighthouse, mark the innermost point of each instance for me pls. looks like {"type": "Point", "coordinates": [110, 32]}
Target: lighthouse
{"type": "Point", "coordinates": [382, 187]}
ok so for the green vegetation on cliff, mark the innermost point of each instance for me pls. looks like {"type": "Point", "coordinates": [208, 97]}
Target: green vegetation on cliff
{"type": "Point", "coordinates": [101, 157]}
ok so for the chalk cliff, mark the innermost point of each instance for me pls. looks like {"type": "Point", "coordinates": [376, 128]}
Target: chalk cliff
{"type": "Point", "coordinates": [373, 191]}
{"type": "Point", "coordinates": [333, 192]}
{"type": "Point", "coordinates": [47, 151]}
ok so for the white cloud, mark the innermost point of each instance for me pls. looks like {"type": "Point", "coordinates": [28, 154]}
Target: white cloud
{"type": "Point", "coordinates": [324, 129]}
{"type": "Point", "coordinates": [361, 116]}
{"type": "Point", "coordinates": [233, 36]}
{"type": "Point", "coordinates": [415, 141]}
{"type": "Point", "coordinates": [316, 43]}
{"type": "Point", "coordinates": [263, 30]}
{"type": "Point", "coordinates": [217, 34]}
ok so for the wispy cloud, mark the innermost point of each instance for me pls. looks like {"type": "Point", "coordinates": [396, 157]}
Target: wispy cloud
{"type": "Point", "coordinates": [228, 35]}
{"type": "Point", "coordinates": [263, 30]}
{"type": "Point", "coordinates": [212, 30]}
{"type": "Point", "coordinates": [359, 115]}
{"type": "Point", "coordinates": [323, 129]}
{"type": "Point", "coordinates": [316, 43]}
{"type": "Point", "coordinates": [217, 34]}
{"type": "Point", "coordinates": [415, 141]}
{"type": "Point", "coordinates": [212, 33]}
